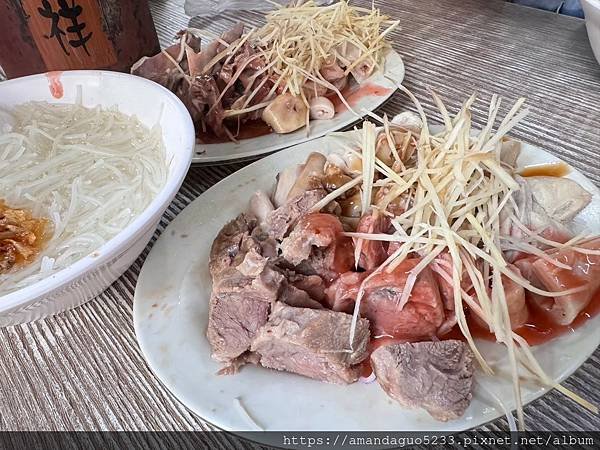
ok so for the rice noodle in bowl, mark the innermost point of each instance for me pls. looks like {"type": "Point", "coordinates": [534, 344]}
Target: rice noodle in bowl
{"type": "Point", "coordinates": [89, 171]}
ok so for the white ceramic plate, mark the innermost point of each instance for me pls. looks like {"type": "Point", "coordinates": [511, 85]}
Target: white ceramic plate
{"type": "Point", "coordinates": [263, 145]}
{"type": "Point", "coordinates": [171, 313]}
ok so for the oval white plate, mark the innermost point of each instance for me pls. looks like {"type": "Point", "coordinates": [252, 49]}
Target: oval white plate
{"type": "Point", "coordinates": [263, 145]}
{"type": "Point", "coordinates": [171, 312]}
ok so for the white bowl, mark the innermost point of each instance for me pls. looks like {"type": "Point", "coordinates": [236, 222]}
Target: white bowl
{"type": "Point", "coordinates": [591, 9]}
{"type": "Point", "coordinates": [89, 276]}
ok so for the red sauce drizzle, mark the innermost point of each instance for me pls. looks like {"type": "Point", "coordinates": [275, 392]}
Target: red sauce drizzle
{"type": "Point", "coordinates": [56, 87]}
{"type": "Point", "coordinates": [539, 327]}
{"type": "Point", "coordinates": [354, 94]}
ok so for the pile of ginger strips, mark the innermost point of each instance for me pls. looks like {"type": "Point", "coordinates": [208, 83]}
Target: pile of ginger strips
{"type": "Point", "coordinates": [457, 187]}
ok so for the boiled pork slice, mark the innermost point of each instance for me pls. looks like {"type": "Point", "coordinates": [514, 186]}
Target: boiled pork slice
{"type": "Point", "coordinates": [373, 252]}
{"type": "Point", "coordinates": [239, 306]}
{"type": "Point", "coordinates": [280, 221]}
{"type": "Point", "coordinates": [313, 285]}
{"type": "Point", "coordinates": [316, 247]}
{"type": "Point", "coordinates": [313, 343]}
{"type": "Point", "coordinates": [246, 283]}
{"type": "Point", "coordinates": [418, 319]}
{"type": "Point", "coordinates": [436, 376]}
{"type": "Point", "coordinates": [231, 244]}
{"type": "Point", "coordinates": [294, 296]}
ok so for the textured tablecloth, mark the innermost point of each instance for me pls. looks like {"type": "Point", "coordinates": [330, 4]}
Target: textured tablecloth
{"type": "Point", "coordinates": [83, 370]}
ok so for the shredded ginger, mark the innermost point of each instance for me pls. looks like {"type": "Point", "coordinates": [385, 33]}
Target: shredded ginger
{"type": "Point", "coordinates": [458, 186]}
{"type": "Point", "coordinates": [298, 40]}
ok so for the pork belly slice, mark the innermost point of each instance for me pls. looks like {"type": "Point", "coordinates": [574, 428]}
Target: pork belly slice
{"type": "Point", "coordinates": [585, 274]}
{"type": "Point", "coordinates": [313, 343]}
{"type": "Point", "coordinates": [435, 376]}
{"type": "Point", "coordinates": [239, 306]}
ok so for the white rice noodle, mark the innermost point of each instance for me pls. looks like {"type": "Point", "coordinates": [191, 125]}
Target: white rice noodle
{"type": "Point", "coordinates": [91, 172]}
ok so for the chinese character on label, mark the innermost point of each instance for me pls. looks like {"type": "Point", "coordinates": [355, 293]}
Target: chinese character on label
{"type": "Point", "coordinates": [75, 29]}
{"type": "Point", "coordinates": [38, 36]}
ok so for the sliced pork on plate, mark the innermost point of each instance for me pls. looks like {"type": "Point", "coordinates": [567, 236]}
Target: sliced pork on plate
{"type": "Point", "coordinates": [436, 376]}
{"type": "Point", "coordinates": [394, 248]}
{"type": "Point", "coordinates": [313, 343]}
{"type": "Point", "coordinates": [418, 318]}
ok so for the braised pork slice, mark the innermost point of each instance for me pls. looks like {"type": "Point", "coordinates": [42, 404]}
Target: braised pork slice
{"type": "Point", "coordinates": [280, 221]}
{"type": "Point", "coordinates": [239, 305]}
{"type": "Point", "coordinates": [313, 343]}
{"type": "Point", "coordinates": [436, 376]}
